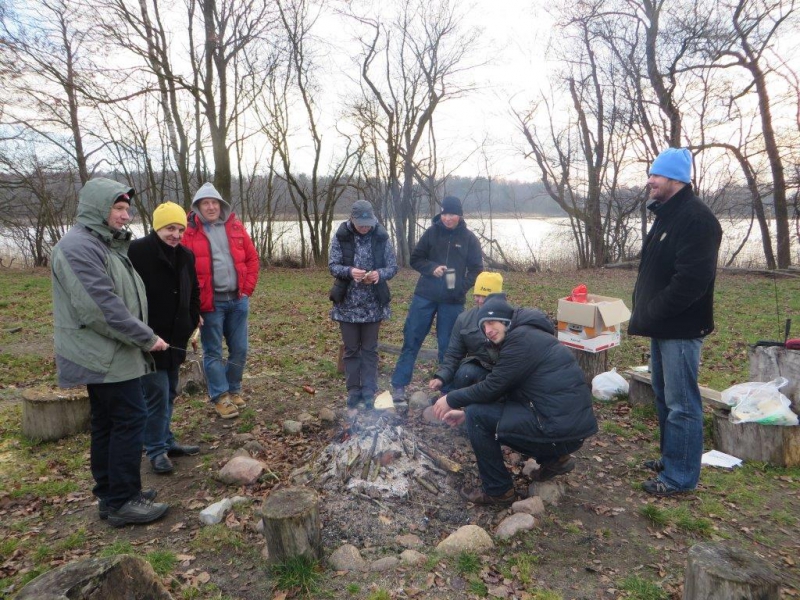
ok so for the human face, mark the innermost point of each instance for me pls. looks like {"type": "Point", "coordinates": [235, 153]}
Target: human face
{"type": "Point", "coordinates": [362, 229]}
{"type": "Point", "coordinates": [450, 221]}
{"type": "Point", "coordinates": [210, 209]}
{"type": "Point", "coordinates": [495, 331]}
{"type": "Point", "coordinates": [119, 215]}
{"type": "Point", "coordinates": [171, 234]}
{"type": "Point", "coordinates": [479, 300]}
{"type": "Point", "coordinates": [662, 188]}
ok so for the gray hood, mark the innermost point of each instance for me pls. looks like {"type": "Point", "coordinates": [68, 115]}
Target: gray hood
{"type": "Point", "coordinates": [207, 190]}
{"type": "Point", "coordinates": [94, 204]}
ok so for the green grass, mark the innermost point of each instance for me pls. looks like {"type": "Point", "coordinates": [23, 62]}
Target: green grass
{"type": "Point", "coordinates": [642, 589]}
{"type": "Point", "coordinates": [218, 538]}
{"type": "Point", "coordinates": [118, 547]}
{"type": "Point", "coordinates": [162, 561]}
{"type": "Point", "coordinates": [468, 563]}
{"type": "Point", "coordinates": [478, 588]}
{"type": "Point", "coordinates": [298, 573]}
{"type": "Point", "coordinates": [679, 516]}
{"type": "Point", "coordinates": [614, 429]}
{"type": "Point", "coordinates": [657, 516]}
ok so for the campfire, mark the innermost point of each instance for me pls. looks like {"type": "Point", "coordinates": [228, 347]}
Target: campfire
{"type": "Point", "coordinates": [374, 455]}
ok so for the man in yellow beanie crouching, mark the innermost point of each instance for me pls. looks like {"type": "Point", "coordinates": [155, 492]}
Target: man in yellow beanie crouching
{"type": "Point", "coordinates": [173, 300]}
{"type": "Point", "coordinates": [468, 358]}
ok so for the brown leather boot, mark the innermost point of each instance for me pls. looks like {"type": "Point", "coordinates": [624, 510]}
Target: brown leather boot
{"type": "Point", "coordinates": [478, 496]}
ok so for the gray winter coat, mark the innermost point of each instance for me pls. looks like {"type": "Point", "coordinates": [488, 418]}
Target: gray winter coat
{"type": "Point", "coordinates": [467, 344]}
{"type": "Point", "coordinates": [99, 301]}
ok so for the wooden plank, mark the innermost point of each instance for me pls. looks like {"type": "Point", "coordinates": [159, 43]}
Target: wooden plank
{"type": "Point", "coordinates": [711, 397]}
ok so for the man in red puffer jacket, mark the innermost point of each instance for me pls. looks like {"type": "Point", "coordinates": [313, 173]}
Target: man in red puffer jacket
{"type": "Point", "coordinates": [227, 270]}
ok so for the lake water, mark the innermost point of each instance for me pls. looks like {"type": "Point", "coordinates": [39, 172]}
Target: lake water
{"type": "Point", "coordinates": [523, 242]}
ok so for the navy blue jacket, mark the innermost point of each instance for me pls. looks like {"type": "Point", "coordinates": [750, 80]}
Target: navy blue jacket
{"type": "Point", "coordinates": [674, 293]}
{"type": "Point", "coordinates": [458, 249]}
{"type": "Point", "coordinates": [546, 396]}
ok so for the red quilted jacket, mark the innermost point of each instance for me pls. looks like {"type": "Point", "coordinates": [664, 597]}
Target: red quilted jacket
{"type": "Point", "coordinates": [245, 257]}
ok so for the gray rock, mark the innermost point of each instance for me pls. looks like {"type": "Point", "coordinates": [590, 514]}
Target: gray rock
{"type": "Point", "coordinates": [549, 491]}
{"type": "Point", "coordinates": [384, 564]}
{"type": "Point", "coordinates": [241, 470]}
{"type": "Point", "coordinates": [326, 415]}
{"type": "Point", "coordinates": [412, 557]}
{"type": "Point", "coordinates": [242, 452]}
{"type": "Point", "coordinates": [530, 466]}
{"type": "Point", "coordinates": [419, 400]}
{"type": "Point", "coordinates": [292, 427]}
{"type": "Point", "coordinates": [512, 525]}
{"type": "Point", "coordinates": [347, 558]}
{"type": "Point", "coordinates": [253, 447]}
{"type": "Point", "coordinates": [305, 417]}
{"type": "Point", "coordinates": [469, 538]}
{"type": "Point", "coordinates": [121, 576]}
{"type": "Point", "coordinates": [241, 438]}
{"type": "Point", "coordinates": [532, 506]}
{"type": "Point", "coordinates": [409, 540]}
{"type": "Point", "coordinates": [213, 514]}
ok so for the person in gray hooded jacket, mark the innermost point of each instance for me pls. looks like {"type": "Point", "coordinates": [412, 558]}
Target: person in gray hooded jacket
{"type": "Point", "coordinates": [227, 270]}
{"type": "Point", "coordinates": [102, 342]}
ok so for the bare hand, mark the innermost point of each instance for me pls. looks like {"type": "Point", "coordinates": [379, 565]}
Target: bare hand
{"type": "Point", "coordinates": [435, 384]}
{"type": "Point", "coordinates": [372, 277]}
{"type": "Point", "coordinates": [439, 271]}
{"type": "Point", "coordinates": [159, 345]}
{"type": "Point", "coordinates": [441, 408]}
{"type": "Point", "coordinates": [455, 418]}
{"type": "Point", "coordinates": [357, 274]}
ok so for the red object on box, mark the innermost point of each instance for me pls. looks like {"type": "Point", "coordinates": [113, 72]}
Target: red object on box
{"type": "Point", "coordinates": [579, 294]}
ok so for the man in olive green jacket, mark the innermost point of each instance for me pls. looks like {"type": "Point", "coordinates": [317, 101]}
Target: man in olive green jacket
{"type": "Point", "coordinates": [102, 341]}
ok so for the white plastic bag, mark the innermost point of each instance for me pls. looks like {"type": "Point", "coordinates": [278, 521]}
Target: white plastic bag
{"type": "Point", "coordinates": [609, 384]}
{"type": "Point", "coordinates": [760, 402]}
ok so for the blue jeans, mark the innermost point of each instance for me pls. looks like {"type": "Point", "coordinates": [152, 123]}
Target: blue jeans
{"type": "Point", "coordinates": [674, 365]}
{"type": "Point", "coordinates": [160, 390]}
{"type": "Point", "coordinates": [118, 418]}
{"type": "Point", "coordinates": [229, 320]}
{"type": "Point", "coordinates": [418, 324]}
{"type": "Point", "coordinates": [482, 421]}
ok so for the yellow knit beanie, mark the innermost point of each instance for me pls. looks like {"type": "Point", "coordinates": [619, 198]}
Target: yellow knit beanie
{"type": "Point", "coordinates": [488, 283]}
{"type": "Point", "coordinates": [168, 213]}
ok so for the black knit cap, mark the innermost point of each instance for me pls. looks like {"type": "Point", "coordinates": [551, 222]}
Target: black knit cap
{"type": "Point", "coordinates": [495, 309]}
{"type": "Point", "coordinates": [451, 206]}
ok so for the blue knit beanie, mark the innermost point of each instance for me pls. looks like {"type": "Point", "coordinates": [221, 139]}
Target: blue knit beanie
{"type": "Point", "coordinates": [673, 163]}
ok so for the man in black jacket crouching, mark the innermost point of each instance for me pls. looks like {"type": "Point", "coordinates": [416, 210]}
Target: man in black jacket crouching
{"type": "Point", "coordinates": [535, 401]}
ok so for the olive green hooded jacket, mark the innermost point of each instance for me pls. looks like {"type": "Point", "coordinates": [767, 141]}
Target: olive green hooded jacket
{"type": "Point", "coordinates": [99, 301]}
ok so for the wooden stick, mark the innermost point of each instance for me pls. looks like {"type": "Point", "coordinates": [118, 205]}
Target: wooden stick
{"type": "Point", "coordinates": [441, 461]}
{"type": "Point", "coordinates": [426, 484]}
{"type": "Point", "coordinates": [365, 470]}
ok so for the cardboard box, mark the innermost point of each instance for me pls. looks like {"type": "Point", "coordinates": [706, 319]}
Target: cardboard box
{"type": "Point", "coordinates": [592, 326]}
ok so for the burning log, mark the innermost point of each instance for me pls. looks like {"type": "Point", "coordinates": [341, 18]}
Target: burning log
{"type": "Point", "coordinates": [441, 461]}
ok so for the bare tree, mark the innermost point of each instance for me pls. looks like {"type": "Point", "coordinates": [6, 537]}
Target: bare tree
{"type": "Point", "coordinates": [409, 65]}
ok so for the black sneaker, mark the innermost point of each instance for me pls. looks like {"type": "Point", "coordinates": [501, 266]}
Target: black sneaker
{"type": "Point", "coordinates": [399, 393]}
{"type": "Point", "coordinates": [656, 487]}
{"type": "Point", "coordinates": [137, 511]}
{"type": "Point", "coordinates": [655, 465]}
{"type": "Point", "coordinates": [102, 507]}
{"type": "Point", "coordinates": [183, 450]}
{"type": "Point", "coordinates": [353, 400]}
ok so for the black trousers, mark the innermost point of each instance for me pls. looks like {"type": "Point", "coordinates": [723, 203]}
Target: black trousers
{"type": "Point", "coordinates": [119, 414]}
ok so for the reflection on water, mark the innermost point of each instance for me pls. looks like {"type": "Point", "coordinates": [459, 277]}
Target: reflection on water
{"type": "Point", "coordinates": [522, 242]}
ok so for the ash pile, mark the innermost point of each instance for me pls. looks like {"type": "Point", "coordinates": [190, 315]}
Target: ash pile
{"type": "Point", "coordinates": [375, 456]}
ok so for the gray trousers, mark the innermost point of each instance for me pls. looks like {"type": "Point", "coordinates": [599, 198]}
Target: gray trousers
{"type": "Point", "coordinates": [361, 357]}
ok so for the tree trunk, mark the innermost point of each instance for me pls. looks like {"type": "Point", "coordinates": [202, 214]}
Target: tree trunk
{"type": "Point", "coordinates": [719, 571]}
{"type": "Point", "coordinates": [292, 525]}
{"type": "Point", "coordinates": [592, 363]}
{"type": "Point", "coordinates": [773, 444]}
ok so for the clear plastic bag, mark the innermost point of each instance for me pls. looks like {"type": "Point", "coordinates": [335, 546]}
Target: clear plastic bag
{"type": "Point", "coordinates": [760, 402]}
{"type": "Point", "coordinates": [609, 384]}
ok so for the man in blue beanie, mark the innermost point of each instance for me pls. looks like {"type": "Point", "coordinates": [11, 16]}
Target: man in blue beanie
{"type": "Point", "coordinates": [673, 305]}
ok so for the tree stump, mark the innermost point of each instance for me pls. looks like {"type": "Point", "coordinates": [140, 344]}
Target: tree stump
{"type": "Point", "coordinates": [119, 576]}
{"type": "Point", "coordinates": [191, 379]}
{"type": "Point", "coordinates": [291, 525]}
{"type": "Point", "coordinates": [592, 363]}
{"type": "Point", "coordinates": [772, 444]}
{"type": "Point", "coordinates": [717, 571]}
{"type": "Point", "coordinates": [770, 362]}
{"type": "Point", "coordinates": [49, 415]}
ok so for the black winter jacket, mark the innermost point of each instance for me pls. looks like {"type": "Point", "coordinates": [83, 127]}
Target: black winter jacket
{"type": "Point", "coordinates": [173, 294]}
{"type": "Point", "coordinates": [546, 396]}
{"type": "Point", "coordinates": [467, 344]}
{"type": "Point", "coordinates": [674, 293]}
{"type": "Point", "coordinates": [458, 249]}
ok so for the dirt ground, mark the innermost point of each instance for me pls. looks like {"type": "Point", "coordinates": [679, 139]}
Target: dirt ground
{"type": "Point", "coordinates": [595, 538]}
